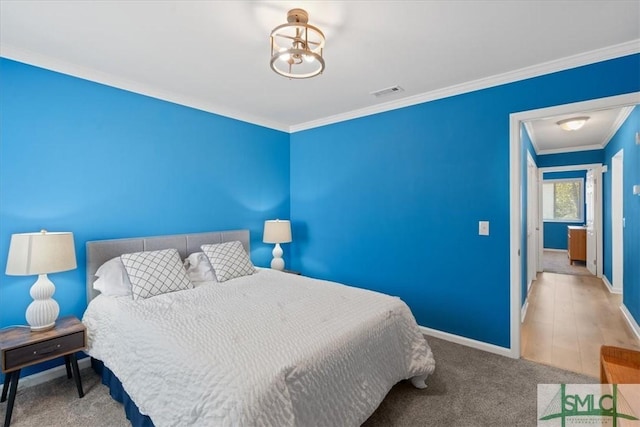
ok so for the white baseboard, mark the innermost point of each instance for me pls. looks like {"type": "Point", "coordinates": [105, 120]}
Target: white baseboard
{"type": "Point", "coordinates": [610, 287]}
{"type": "Point", "coordinates": [523, 310]}
{"type": "Point", "coordinates": [49, 374]}
{"type": "Point", "coordinates": [490, 348]}
{"type": "Point", "coordinates": [630, 320]}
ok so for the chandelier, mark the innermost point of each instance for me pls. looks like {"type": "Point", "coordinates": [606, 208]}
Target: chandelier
{"type": "Point", "coordinates": [297, 47]}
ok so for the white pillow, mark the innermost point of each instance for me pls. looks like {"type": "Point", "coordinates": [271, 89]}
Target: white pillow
{"type": "Point", "coordinates": [155, 272]}
{"type": "Point", "coordinates": [199, 268]}
{"type": "Point", "coordinates": [229, 260]}
{"type": "Point", "coordinates": [112, 279]}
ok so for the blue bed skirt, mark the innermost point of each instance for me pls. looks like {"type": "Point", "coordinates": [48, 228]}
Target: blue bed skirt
{"type": "Point", "coordinates": [119, 394]}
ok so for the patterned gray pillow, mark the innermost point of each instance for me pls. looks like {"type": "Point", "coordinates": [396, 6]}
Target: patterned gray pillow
{"type": "Point", "coordinates": [155, 272]}
{"type": "Point", "coordinates": [229, 260]}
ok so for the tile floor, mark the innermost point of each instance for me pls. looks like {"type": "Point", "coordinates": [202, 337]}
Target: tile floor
{"type": "Point", "coordinates": [569, 318]}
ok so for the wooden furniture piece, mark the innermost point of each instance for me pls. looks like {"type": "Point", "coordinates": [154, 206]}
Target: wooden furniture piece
{"type": "Point", "coordinates": [619, 365]}
{"type": "Point", "coordinates": [20, 348]}
{"type": "Point", "coordinates": [576, 243]}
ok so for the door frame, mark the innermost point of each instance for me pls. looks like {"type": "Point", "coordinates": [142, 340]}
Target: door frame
{"type": "Point", "coordinates": [533, 201]}
{"type": "Point", "coordinates": [598, 225]}
{"type": "Point", "coordinates": [593, 179]}
{"type": "Point", "coordinates": [515, 193]}
{"type": "Point", "coordinates": [617, 220]}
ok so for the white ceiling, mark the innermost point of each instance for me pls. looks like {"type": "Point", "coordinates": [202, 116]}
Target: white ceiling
{"type": "Point", "coordinates": [548, 138]}
{"type": "Point", "coordinates": [214, 55]}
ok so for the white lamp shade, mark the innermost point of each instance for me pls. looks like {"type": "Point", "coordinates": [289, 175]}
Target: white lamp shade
{"type": "Point", "coordinates": [40, 253]}
{"type": "Point", "coordinates": [277, 231]}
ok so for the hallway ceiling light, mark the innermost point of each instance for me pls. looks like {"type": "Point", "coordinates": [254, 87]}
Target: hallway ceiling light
{"type": "Point", "coordinates": [573, 123]}
{"type": "Point", "coordinates": [297, 47]}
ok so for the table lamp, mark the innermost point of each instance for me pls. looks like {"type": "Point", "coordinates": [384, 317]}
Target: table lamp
{"type": "Point", "coordinates": [277, 231]}
{"type": "Point", "coordinates": [41, 253]}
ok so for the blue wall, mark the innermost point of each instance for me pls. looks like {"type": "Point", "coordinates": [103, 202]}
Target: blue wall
{"type": "Point", "coordinates": [573, 158]}
{"type": "Point", "coordinates": [555, 233]}
{"type": "Point", "coordinates": [105, 163]}
{"type": "Point", "coordinates": [625, 139]}
{"type": "Point", "coordinates": [392, 201]}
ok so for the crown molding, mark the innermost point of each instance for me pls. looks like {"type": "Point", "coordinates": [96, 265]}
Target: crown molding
{"type": "Point", "coordinates": [622, 116]}
{"type": "Point", "coordinates": [49, 63]}
{"type": "Point", "coordinates": [43, 61]}
{"type": "Point", "coordinates": [620, 119]}
{"type": "Point", "coordinates": [570, 149]}
{"type": "Point", "coordinates": [611, 52]}
{"type": "Point", "coordinates": [529, 129]}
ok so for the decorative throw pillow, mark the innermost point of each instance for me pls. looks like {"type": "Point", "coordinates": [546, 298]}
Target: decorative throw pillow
{"type": "Point", "coordinates": [229, 260]}
{"type": "Point", "coordinates": [155, 272]}
{"type": "Point", "coordinates": [112, 279]}
{"type": "Point", "coordinates": [199, 268]}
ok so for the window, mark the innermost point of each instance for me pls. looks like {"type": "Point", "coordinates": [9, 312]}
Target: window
{"type": "Point", "coordinates": [563, 200]}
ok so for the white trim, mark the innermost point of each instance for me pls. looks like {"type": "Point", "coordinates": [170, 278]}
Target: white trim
{"type": "Point", "coordinates": [581, 59]}
{"type": "Point", "coordinates": [525, 307]}
{"type": "Point", "coordinates": [528, 126]}
{"type": "Point", "coordinates": [599, 202]}
{"type": "Point", "coordinates": [515, 150]}
{"type": "Point", "coordinates": [622, 117]}
{"type": "Point", "coordinates": [630, 320]}
{"type": "Point", "coordinates": [572, 167]}
{"type": "Point", "coordinates": [490, 348]}
{"type": "Point", "coordinates": [50, 374]}
{"type": "Point", "coordinates": [49, 63]}
{"type": "Point", "coordinates": [611, 52]}
{"type": "Point", "coordinates": [569, 149]}
{"type": "Point", "coordinates": [515, 230]}
{"type": "Point", "coordinates": [608, 283]}
{"type": "Point", "coordinates": [555, 250]}
{"type": "Point", "coordinates": [610, 287]}
{"type": "Point", "coordinates": [617, 220]}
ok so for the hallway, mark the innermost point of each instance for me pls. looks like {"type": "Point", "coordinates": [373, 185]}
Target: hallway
{"type": "Point", "coordinates": [568, 319]}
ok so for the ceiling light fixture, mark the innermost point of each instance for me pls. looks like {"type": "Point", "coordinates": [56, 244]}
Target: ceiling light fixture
{"type": "Point", "coordinates": [297, 47]}
{"type": "Point", "coordinates": [573, 123]}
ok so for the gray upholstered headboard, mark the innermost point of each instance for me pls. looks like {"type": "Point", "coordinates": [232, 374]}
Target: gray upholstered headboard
{"type": "Point", "coordinates": [101, 251]}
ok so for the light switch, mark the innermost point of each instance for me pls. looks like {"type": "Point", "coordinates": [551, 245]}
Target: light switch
{"type": "Point", "coordinates": [483, 228]}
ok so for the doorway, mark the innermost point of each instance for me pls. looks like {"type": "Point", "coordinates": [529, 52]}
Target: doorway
{"type": "Point", "coordinates": [579, 187]}
{"type": "Point", "coordinates": [517, 240]}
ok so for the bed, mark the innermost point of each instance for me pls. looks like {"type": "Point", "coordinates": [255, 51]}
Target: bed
{"type": "Point", "coordinates": [266, 348]}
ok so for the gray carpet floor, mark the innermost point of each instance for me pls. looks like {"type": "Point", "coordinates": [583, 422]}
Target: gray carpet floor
{"type": "Point", "coordinates": [558, 262]}
{"type": "Point", "coordinates": [468, 388]}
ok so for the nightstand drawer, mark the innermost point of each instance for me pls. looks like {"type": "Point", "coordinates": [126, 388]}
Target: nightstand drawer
{"type": "Point", "coordinates": [43, 350]}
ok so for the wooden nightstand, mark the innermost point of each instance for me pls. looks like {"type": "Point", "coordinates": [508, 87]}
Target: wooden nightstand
{"type": "Point", "coordinates": [20, 348]}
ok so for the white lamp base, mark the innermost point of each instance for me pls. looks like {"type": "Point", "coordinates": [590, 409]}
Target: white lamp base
{"type": "Point", "coordinates": [43, 311]}
{"type": "Point", "coordinates": [277, 263]}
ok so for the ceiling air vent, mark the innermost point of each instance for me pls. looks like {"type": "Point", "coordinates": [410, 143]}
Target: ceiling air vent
{"type": "Point", "coordinates": [388, 91]}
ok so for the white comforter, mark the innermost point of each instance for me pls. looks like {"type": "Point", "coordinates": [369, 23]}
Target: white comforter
{"type": "Point", "coordinates": [267, 349]}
